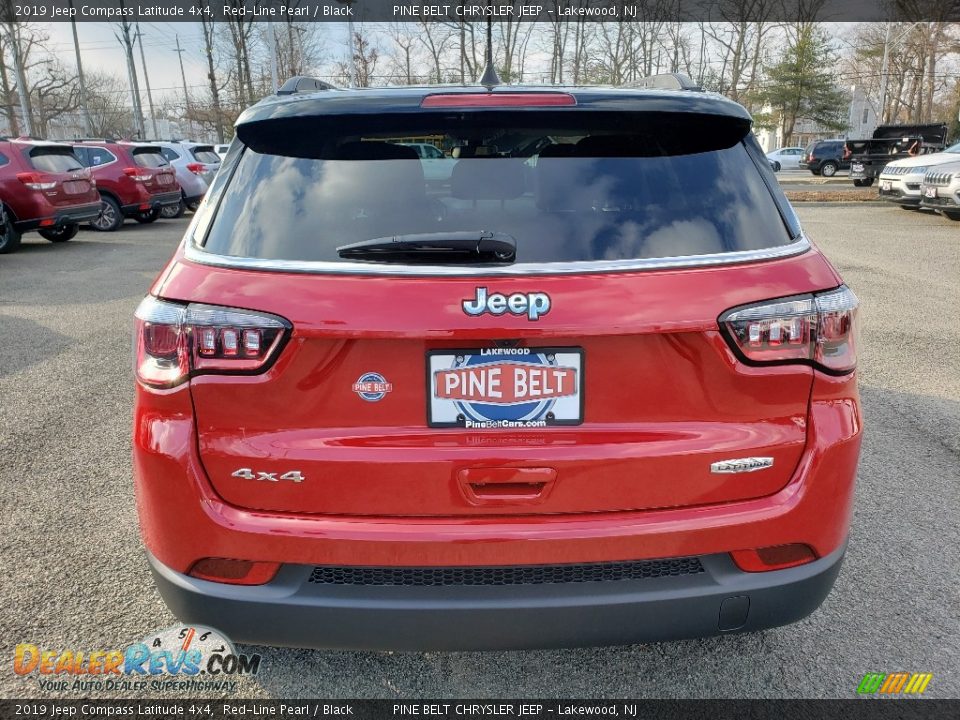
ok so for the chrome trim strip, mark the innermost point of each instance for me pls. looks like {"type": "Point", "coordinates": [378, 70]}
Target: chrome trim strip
{"type": "Point", "coordinates": [195, 254]}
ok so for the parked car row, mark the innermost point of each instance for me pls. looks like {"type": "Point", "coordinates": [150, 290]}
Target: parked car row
{"type": "Point", "coordinates": [926, 181]}
{"type": "Point", "coordinates": [54, 187]}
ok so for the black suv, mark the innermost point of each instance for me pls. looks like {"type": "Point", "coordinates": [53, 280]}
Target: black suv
{"type": "Point", "coordinates": [824, 157]}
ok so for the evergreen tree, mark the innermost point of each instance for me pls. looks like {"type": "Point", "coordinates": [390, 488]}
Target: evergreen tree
{"type": "Point", "coordinates": [801, 84]}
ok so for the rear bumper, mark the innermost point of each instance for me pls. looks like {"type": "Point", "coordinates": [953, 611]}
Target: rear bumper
{"type": "Point", "coordinates": [68, 216]}
{"type": "Point", "coordinates": [292, 611]}
{"type": "Point", "coordinates": [183, 520]}
{"type": "Point", "coordinates": [153, 201]}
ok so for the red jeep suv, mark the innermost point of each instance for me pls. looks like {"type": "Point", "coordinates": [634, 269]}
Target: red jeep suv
{"type": "Point", "coordinates": [43, 187]}
{"type": "Point", "coordinates": [598, 389]}
{"type": "Point", "coordinates": [134, 179]}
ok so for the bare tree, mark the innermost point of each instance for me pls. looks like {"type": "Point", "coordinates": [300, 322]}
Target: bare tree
{"type": "Point", "coordinates": [365, 58]}
{"type": "Point", "coordinates": [53, 92]}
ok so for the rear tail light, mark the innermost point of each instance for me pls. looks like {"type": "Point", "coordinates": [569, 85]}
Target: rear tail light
{"type": "Point", "coordinates": [136, 174]}
{"type": "Point", "coordinates": [37, 181]}
{"type": "Point", "coordinates": [777, 557]}
{"type": "Point", "coordinates": [234, 572]}
{"type": "Point", "coordinates": [174, 342]}
{"type": "Point", "coordinates": [196, 168]}
{"type": "Point", "coordinates": [818, 329]}
{"type": "Point", "coordinates": [846, 152]}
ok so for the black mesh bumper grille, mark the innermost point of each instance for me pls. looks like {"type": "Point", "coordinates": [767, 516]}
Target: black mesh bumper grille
{"type": "Point", "coordinates": [511, 575]}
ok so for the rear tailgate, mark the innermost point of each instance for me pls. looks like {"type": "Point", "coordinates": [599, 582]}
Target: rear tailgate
{"type": "Point", "coordinates": [159, 176]}
{"type": "Point", "coordinates": [71, 183]}
{"type": "Point", "coordinates": [663, 397]}
{"type": "Point", "coordinates": [206, 156]}
{"type": "Point", "coordinates": [406, 391]}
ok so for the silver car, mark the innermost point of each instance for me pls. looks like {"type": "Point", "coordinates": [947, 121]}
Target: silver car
{"type": "Point", "coordinates": [196, 164]}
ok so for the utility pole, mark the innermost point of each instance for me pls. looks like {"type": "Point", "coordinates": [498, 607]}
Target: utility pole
{"type": "Point", "coordinates": [127, 41]}
{"type": "Point", "coordinates": [22, 89]}
{"type": "Point", "coordinates": [146, 81]}
{"type": "Point", "coordinates": [87, 123]}
{"type": "Point", "coordinates": [350, 43]}
{"type": "Point", "coordinates": [183, 76]}
{"type": "Point", "coordinates": [272, 37]}
{"type": "Point", "coordinates": [883, 76]}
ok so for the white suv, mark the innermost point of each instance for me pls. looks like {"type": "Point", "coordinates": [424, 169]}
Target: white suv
{"type": "Point", "coordinates": [940, 190]}
{"type": "Point", "coordinates": [196, 165]}
{"type": "Point", "coordinates": [900, 180]}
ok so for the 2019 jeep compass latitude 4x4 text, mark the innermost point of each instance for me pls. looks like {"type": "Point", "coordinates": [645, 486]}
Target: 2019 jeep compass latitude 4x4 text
{"type": "Point", "coordinates": [598, 388]}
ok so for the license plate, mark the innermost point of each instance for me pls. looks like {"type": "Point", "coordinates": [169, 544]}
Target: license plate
{"type": "Point", "coordinates": [886, 185]}
{"type": "Point", "coordinates": [76, 187]}
{"type": "Point", "coordinates": [856, 167]}
{"type": "Point", "coordinates": [165, 179]}
{"type": "Point", "coordinates": [930, 192]}
{"type": "Point", "coordinates": [505, 388]}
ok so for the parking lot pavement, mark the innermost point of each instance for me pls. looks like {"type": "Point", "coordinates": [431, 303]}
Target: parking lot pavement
{"type": "Point", "coordinates": [75, 575]}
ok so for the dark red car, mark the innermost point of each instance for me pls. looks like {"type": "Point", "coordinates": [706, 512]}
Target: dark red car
{"type": "Point", "coordinates": [599, 388]}
{"type": "Point", "coordinates": [134, 180]}
{"type": "Point", "coordinates": [43, 187]}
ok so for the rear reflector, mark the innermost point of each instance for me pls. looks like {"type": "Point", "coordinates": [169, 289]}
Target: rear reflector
{"type": "Point", "coordinates": [499, 99]}
{"type": "Point", "coordinates": [176, 341]}
{"type": "Point", "coordinates": [818, 329]}
{"type": "Point", "coordinates": [234, 572]}
{"type": "Point", "coordinates": [777, 557]}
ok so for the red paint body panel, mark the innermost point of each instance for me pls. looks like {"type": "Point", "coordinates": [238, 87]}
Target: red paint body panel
{"type": "Point", "coordinates": [183, 519]}
{"type": "Point", "coordinates": [664, 395]}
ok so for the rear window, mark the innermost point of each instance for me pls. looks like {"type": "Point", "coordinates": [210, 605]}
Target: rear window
{"type": "Point", "coordinates": [205, 154]}
{"type": "Point", "coordinates": [54, 160]}
{"type": "Point", "coordinates": [149, 157]}
{"type": "Point", "coordinates": [567, 187]}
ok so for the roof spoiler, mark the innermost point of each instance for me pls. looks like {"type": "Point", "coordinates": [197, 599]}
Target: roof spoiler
{"type": "Point", "coordinates": [303, 84]}
{"type": "Point", "coordinates": [666, 81]}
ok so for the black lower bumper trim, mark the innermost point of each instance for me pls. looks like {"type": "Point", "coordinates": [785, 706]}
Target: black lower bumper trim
{"type": "Point", "coordinates": [291, 611]}
{"type": "Point", "coordinates": [898, 196]}
{"type": "Point", "coordinates": [155, 202]}
{"type": "Point", "coordinates": [74, 216]}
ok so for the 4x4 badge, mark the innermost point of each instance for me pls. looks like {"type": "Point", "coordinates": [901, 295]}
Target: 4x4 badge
{"type": "Point", "coordinates": [533, 305]}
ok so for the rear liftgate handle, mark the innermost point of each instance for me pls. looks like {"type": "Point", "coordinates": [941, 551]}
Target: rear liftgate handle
{"type": "Point", "coordinates": [504, 486]}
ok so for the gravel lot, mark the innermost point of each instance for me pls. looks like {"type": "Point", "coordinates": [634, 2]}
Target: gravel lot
{"type": "Point", "coordinates": [75, 576]}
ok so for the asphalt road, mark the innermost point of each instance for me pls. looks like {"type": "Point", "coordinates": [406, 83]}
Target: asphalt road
{"type": "Point", "coordinates": [74, 575]}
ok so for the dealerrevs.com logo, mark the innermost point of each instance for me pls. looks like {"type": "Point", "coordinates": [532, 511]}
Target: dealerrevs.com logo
{"type": "Point", "coordinates": [182, 657]}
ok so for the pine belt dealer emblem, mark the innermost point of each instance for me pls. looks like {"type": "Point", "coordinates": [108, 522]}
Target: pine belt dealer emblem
{"type": "Point", "coordinates": [372, 387]}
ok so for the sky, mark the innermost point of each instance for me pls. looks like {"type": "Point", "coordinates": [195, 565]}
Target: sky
{"type": "Point", "coordinates": [101, 51]}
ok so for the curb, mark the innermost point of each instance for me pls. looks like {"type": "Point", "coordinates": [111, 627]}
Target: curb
{"type": "Point", "coordinates": [814, 180]}
{"type": "Point", "coordinates": [837, 203]}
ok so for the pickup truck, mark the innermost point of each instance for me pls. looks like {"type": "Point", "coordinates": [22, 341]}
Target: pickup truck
{"type": "Point", "coordinates": [868, 157]}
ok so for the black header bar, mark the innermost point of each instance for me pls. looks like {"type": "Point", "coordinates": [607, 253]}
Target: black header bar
{"type": "Point", "coordinates": [478, 10]}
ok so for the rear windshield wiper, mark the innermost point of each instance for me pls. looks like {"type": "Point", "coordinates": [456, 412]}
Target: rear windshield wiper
{"type": "Point", "coordinates": [471, 246]}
